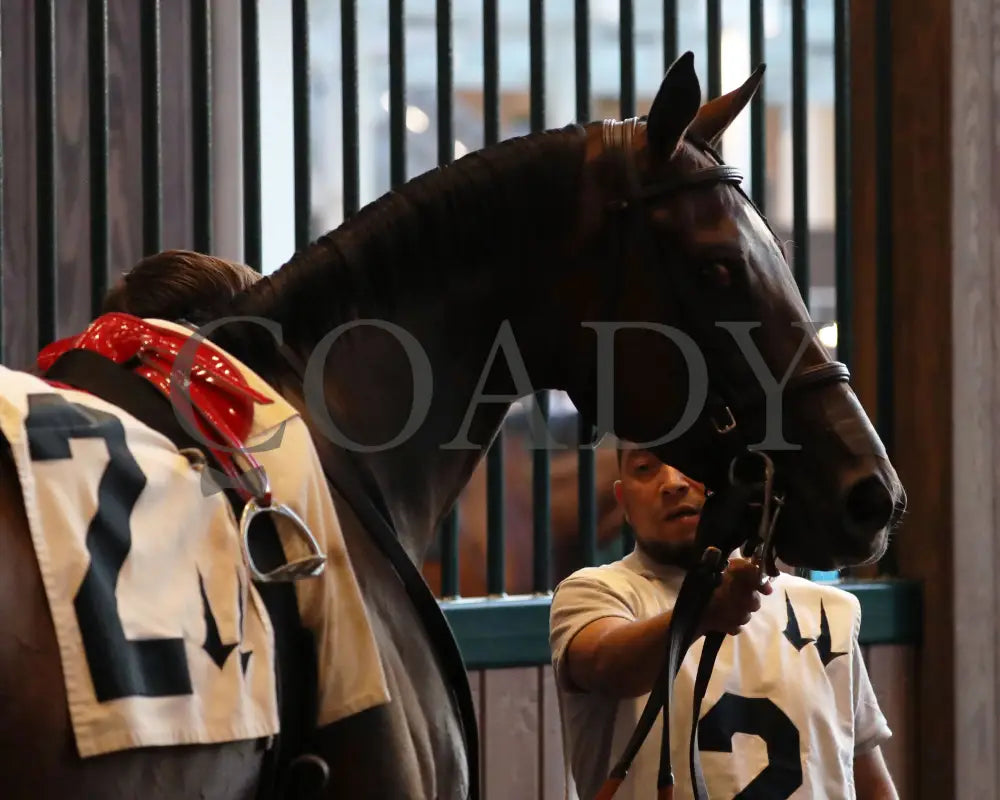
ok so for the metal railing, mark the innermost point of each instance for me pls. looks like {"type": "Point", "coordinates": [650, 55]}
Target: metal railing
{"type": "Point", "coordinates": [206, 190]}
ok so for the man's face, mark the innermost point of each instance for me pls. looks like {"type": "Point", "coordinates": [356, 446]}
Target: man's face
{"type": "Point", "coordinates": [662, 505]}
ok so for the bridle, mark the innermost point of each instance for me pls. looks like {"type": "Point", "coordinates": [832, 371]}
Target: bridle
{"type": "Point", "coordinates": [720, 530]}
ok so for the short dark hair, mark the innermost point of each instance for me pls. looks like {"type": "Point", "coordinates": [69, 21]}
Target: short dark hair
{"type": "Point", "coordinates": [180, 285]}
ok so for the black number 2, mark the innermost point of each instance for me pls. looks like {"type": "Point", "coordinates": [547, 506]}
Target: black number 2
{"type": "Point", "coordinates": [759, 716]}
{"type": "Point", "coordinates": [119, 667]}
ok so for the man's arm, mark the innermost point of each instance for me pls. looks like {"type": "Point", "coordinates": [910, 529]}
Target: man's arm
{"type": "Point", "coordinates": [872, 780]}
{"type": "Point", "coordinates": [622, 658]}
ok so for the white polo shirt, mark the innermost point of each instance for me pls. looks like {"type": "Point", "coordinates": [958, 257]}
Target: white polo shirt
{"type": "Point", "coordinates": [787, 709]}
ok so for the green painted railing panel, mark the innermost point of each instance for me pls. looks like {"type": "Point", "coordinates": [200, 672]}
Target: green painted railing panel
{"type": "Point", "coordinates": [514, 631]}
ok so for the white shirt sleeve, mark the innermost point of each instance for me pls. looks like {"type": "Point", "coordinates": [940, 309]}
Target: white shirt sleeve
{"type": "Point", "coordinates": [578, 601]}
{"type": "Point", "coordinates": [870, 725]}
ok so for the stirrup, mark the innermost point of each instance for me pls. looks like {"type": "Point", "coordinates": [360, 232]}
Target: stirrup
{"type": "Point", "coordinates": [308, 566]}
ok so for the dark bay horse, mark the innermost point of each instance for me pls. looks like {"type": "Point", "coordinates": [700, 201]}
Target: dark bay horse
{"type": "Point", "coordinates": [518, 248]}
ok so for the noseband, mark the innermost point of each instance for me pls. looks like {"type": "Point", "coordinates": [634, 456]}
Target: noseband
{"type": "Point", "coordinates": [720, 530]}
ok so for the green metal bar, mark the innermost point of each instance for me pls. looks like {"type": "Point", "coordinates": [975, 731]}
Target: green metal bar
{"type": "Point", "coordinates": [626, 55]}
{"type": "Point", "coordinates": [585, 469]}
{"type": "Point", "coordinates": [884, 223]}
{"type": "Point", "coordinates": [542, 506]}
{"type": "Point", "coordinates": [586, 493]}
{"type": "Point", "coordinates": [758, 132]}
{"type": "Point", "coordinates": [844, 200]}
{"type": "Point", "coordinates": [514, 631]}
{"type": "Point", "coordinates": [97, 78]}
{"type": "Point", "coordinates": [581, 28]}
{"type": "Point", "coordinates": [152, 194]}
{"type": "Point", "coordinates": [300, 122]}
{"type": "Point", "coordinates": [713, 27]}
{"type": "Point", "coordinates": [496, 566]}
{"type": "Point", "coordinates": [541, 500]}
{"type": "Point", "coordinates": [397, 93]}
{"type": "Point", "coordinates": [250, 44]}
{"type": "Point", "coordinates": [450, 564]}
{"type": "Point", "coordinates": [536, 57]}
{"type": "Point", "coordinates": [3, 349]}
{"type": "Point", "coordinates": [496, 557]}
{"type": "Point", "coordinates": [669, 32]}
{"type": "Point", "coordinates": [349, 105]}
{"type": "Point", "coordinates": [491, 74]}
{"type": "Point", "coordinates": [449, 554]}
{"type": "Point", "coordinates": [201, 123]}
{"type": "Point", "coordinates": [45, 168]}
{"type": "Point", "coordinates": [800, 155]}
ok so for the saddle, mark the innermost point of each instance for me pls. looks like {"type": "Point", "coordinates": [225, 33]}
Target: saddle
{"type": "Point", "coordinates": [140, 368]}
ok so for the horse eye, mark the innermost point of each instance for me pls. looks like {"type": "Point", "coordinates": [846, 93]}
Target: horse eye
{"type": "Point", "coordinates": [716, 275]}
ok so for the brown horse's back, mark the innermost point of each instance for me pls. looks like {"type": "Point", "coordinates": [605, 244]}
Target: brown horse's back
{"type": "Point", "coordinates": [38, 757]}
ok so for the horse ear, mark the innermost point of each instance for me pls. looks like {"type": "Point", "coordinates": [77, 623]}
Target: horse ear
{"type": "Point", "coordinates": [674, 107]}
{"type": "Point", "coordinates": [716, 115]}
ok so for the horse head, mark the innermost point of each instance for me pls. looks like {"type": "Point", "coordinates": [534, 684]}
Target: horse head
{"type": "Point", "coordinates": [618, 261]}
{"type": "Point", "coordinates": [707, 349]}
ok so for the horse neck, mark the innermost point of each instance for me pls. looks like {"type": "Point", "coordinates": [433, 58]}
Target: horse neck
{"type": "Point", "coordinates": [367, 394]}
{"type": "Point", "coordinates": [448, 257]}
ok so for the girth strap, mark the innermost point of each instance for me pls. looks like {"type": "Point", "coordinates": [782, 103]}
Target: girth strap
{"type": "Point", "coordinates": [295, 650]}
{"type": "Point", "coordinates": [342, 474]}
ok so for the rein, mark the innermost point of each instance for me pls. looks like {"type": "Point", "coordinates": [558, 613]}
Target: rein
{"type": "Point", "coordinates": [722, 528]}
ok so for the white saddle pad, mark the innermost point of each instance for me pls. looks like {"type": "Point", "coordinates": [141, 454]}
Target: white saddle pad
{"type": "Point", "coordinates": [163, 638]}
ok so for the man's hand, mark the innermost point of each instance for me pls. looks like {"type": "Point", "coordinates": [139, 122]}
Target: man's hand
{"type": "Point", "coordinates": [735, 598]}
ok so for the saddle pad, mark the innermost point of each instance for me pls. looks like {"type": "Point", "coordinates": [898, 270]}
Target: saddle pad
{"type": "Point", "coordinates": [163, 638]}
{"type": "Point", "coordinates": [350, 673]}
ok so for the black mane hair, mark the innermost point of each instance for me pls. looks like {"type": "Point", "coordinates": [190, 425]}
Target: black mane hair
{"type": "Point", "coordinates": [421, 237]}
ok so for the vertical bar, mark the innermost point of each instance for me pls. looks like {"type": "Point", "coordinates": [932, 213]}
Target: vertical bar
{"type": "Point", "coordinates": [884, 222]}
{"type": "Point", "coordinates": [669, 32]}
{"type": "Point", "coordinates": [97, 78]}
{"type": "Point", "coordinates": [581, 26]}
{"type": "Point", "coordinates": [445, 123]}
{"type": "Point", "coordinates": [491, 73]}
{"type": "Point", "coordinates": [586, 492]}
{"type": "Point", "coordinates": [3, 350]}
{"type": "Point", "coordinates": [541, 489]}
{"type": "Point", "coordinates": [449, 554]}
{"type": "Point", "coordinates": [45, 121]}
{"type": "Point", "coordinates": [450, 565]}
{"type": "Point", "coordinates": [496, 561]}
{"type": "Point", "coordinates": [536, 34]}
{"type": "Point", "coordinates": [585, 470]}
{"type": "Point", "coordinates": [713, 28]}
{"type": "Point", "coordinates": [496, 564]}
{"type": "Point", "coordinates": [842, 155]}
{"type": "Point", "coordinates": [626, 54]}
{"type": "Point", "coordinates": [541, 504]}
{"type": "Point", "coordinates": [800, 163]}
{"type": "Point", "coordinates": [250, 50]}
{"type": "Point", "coordinates": [300, 121]}
{"type": "Point", "coordinates": [758, 131]}
{"type": "Point", "coordinates": [149, 34]}
{"type": "Point", "coordinates": [201, 123]}
{"type": "Point", "coordinates": [349, 105]}
{"type": "Point", "coordinates": [397, 94]}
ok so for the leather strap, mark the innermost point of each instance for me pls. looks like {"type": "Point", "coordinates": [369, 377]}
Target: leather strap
{"type": "Point", "coordinates": [342, 473]}
{"type": "Point", "coordinates": [295, 651]}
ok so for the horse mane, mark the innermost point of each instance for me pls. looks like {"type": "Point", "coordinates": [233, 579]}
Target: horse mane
{"type": "Point", "coordinates": [492, 204]}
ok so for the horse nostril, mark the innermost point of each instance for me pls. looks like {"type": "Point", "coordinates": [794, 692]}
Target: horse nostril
{"type": "Point", "coordinates": [868, 506]}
